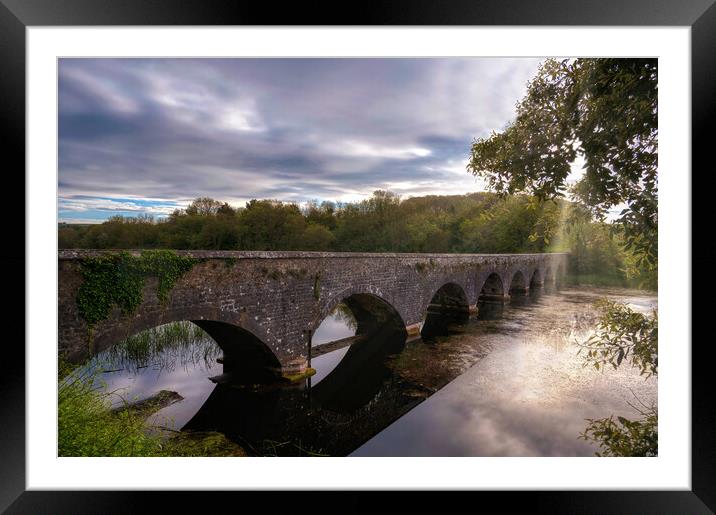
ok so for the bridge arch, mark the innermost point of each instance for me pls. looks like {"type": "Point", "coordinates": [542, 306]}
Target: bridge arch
{"type": "Point", "coordinates": [536, 278]}
{"type": "Point", "coordinates": [493, 288]}
{"type": "Point", "coordinates": [518, 283]}
{"type": "Point", "coordinates": [240, 345]}
{"type": "Point", "coordinates": [369, 308]}
{"type": "Point", "coordinates": [379, 331]}
{"type": "Point", "coordinates": [106, 336]}
{"type": "Point", "coordinates": [456, 289]}
{"type": "Point", "coordinates": [242, 349]}
{"type": "Point", "coordinates": [448, 305]}
{"type": "Point", "coordinates": [450, 295]}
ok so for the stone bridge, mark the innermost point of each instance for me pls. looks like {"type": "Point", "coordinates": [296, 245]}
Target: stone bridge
{"type": "Point", "coordinates": [263, 307]}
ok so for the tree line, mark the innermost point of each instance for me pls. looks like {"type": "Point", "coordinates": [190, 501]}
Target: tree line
{"type": "Point", "coordinates": [482, 222]}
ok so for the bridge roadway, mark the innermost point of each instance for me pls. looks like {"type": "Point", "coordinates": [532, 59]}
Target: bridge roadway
{"type": "Point", "coordinates": [263, 307]}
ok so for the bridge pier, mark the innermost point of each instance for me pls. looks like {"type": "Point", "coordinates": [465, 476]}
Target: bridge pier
{"type": "Point", "coordinates": [295, 367]}
{"type": "Point", "coordinates": [413, 330]}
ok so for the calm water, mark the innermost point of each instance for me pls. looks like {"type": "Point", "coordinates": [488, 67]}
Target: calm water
{"type": "Point", "coordinates": [507, 383]}
{"type": "Point", "coordinates": [529, 395]}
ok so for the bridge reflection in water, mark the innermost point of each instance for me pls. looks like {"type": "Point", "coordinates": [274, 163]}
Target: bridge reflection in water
{"type": "Point", "coordinates": [381, 376]}
{"type": "Point", "coordinates": [529, 396]}
{"type": "Point", "coordinates": [356, 400]}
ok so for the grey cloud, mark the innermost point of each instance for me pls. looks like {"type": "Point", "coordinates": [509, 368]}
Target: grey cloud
{"type": "Point", "coordinates": [284, 128]}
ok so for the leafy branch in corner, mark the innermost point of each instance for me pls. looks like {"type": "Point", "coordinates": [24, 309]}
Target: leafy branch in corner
{"type": "Point", "coordinates": [623, 334]}
{"type": "Point", "coordinates": [624, 437]}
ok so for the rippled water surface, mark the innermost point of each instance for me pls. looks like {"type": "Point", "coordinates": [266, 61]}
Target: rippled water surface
{"type": "Point", "coordinates": [507, 383]}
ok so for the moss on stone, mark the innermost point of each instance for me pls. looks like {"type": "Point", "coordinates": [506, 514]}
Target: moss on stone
{"type": "Point", "coordinates": [276, 274]}
{"type": "Point", "coordinates": [117, 279]}
{"type": "Point", "coordinates": [210, 444]}
{"type": "Point", "coordinates": [294, 378]}
{"type": "Point", "coordinates": [297, 273]}
{"type": "Point", "coordinates": [317, 286]}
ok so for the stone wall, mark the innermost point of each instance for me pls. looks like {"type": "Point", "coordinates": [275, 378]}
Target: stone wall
{"type": "Point", "coordinates": [275, 298]}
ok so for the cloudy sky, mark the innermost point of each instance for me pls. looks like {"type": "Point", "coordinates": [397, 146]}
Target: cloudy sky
{"type": "Point", "coordinates": [149, 135]}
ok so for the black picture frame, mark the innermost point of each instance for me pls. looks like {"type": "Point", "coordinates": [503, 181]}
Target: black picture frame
{"type": "Point", "coordinates": [17, 15]}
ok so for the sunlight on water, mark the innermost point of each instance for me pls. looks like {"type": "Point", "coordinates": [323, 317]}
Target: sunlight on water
{"type": "Point", "coordinates": [530, 395]}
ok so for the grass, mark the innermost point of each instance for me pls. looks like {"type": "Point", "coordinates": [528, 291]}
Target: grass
{"type": "Point", "coordinates": [290, 448]}
{"type": "Point", "coordinates": [165, 346]}
{"type": "Point", "coordinates": [88, 427]}
{"type": "Point", "coordinates": [87, 424]}
{"type": "Point", "coordinates": [209, 444]}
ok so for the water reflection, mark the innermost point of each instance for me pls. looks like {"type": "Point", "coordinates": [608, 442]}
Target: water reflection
{"type": "Point", "coordinates": [442, 322]}
{"type": "Point", "coordinates": [490, 310]}
{"type": "Point", "coordinates": [177, 357]}
{"type": "Point", "coordinates": [356, 400]}
{"type": "Point", "coordinates": [324, 365]}
{"type": "Point", "coordinates": [357, 378]}
{"type": "Point", "coordinates": [338, 326]}
{"type": "Point", "coordinates": [529, 395]}
{"type": "Point", "coordinates": [506, 382]}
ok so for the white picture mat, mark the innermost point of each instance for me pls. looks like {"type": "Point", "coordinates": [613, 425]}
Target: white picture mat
{"type": "Point", "coordinates": [670, 470]}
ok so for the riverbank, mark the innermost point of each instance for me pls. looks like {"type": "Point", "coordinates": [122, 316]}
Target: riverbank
{"type": "Point", "coordinates": [94, 420]}
{"type": "Point", "coordinates": [88, 425]}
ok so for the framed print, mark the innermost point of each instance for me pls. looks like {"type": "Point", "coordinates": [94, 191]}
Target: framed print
{"type": "Point", "coordinates": [379, 237]}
